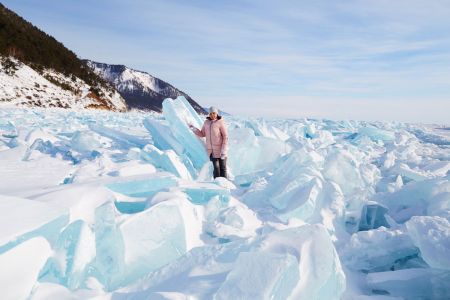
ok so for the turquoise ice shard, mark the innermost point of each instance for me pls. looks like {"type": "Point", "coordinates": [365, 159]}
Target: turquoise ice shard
{"type": "Point", "coordinates": [73, 252]}
{"type": "Point", "coordinates": [85, 141]}
{"type": "Point", "coordinates": [376, 134]}
{"type": "Point", "coordinates": [303, 201]}
{"type": "Point", "coordinates": [277, 275]}
{"type": "Point", "coordinates": [36, 219]}
{"type": "Point", "coordinates": [179, 113]}
{"type": "Point", "coordinates": [202, 193]}
{"type": "Point", "coordinates": [260, 127]}
{"type": "Point", "coordinates": [377, 249]}
{"type": "Point", "coordinates": [373, 215]}
{"type": "Point", "coordinates": [20, 266]}
{"type": "Point", "coordinates": [166, 160]}
{"type": "Point", "coordinates": [162, 136]}
{"type": "Point", "coordinates": [119, 136]}
{"type": "Point", "coordinates": [321, 274]}
{"type": "Point", "coordinates": [290, 176]}
{"type": "Point", "coordinates": [109, 246]}
{"type": "Point", "coordinates": [294, 190]}
{"type": "Point", "coordinates": [297, 263]}
{"type": "Point", "coordinates": [230, 220]}
{"type": "Point", "coordinates": [431, 234]}
{"type": "Point", "coordinates": [249, 153]}
{"type": "Point", "coordinates": [159, 235]}
{"type": "Point", "coordinates": [143, 186]}
{"type": "Point", "coordinates": [8, 130]}
{"type": "Point", "coordinates": [428, 197]}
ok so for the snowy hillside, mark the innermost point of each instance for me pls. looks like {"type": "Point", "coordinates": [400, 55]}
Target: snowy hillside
{"type": "Point", "coordinates": [140, 89]}
{"type": "Point", "coordinates": [123, 206]}
{"type": "Point", "coordinates": [26, 87]}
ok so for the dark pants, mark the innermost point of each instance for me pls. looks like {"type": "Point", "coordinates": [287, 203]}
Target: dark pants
{"type": "Point", "coordinates": [220, 167]}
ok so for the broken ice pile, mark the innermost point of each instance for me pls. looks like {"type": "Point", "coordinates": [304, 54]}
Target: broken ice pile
{"type": "Point", "coordinates": [123, 206]}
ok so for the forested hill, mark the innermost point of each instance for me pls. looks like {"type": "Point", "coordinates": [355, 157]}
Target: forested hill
{"type": "Point", "coordinates": [27, 43]}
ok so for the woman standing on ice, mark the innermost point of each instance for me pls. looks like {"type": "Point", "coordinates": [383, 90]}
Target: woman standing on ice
{"type": "Point", "coordinates": [216, 134]}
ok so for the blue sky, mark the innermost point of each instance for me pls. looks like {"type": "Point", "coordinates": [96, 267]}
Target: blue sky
{"type": "Point", "coordinates": [364, 60]}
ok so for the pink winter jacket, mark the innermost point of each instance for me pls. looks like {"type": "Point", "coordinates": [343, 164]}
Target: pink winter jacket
{"type": "Point", "coordinates": [216, 136]}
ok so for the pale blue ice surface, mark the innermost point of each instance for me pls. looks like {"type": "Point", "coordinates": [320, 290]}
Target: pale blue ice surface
{"type": "Point", "coordinates": [314, 209]}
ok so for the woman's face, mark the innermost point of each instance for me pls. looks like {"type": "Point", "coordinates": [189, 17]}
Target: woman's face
{"type": "Point", "coordinates": [213, 115]}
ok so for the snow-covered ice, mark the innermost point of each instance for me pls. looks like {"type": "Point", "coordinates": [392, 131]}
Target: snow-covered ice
{"type": "Point", "coordinates": [20, 267]}
{"type": "Point", "coordinates": [432, 236]}
{"type": "Point", "coordinates": [105, 205]}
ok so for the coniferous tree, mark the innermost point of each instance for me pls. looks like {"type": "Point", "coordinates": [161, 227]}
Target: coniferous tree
{"type": "Point", "coordinates": [27, 43]}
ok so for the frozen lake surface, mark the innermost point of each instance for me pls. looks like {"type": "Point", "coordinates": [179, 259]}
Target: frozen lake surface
{"type": "Point", "coordinates": [123, 206]}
